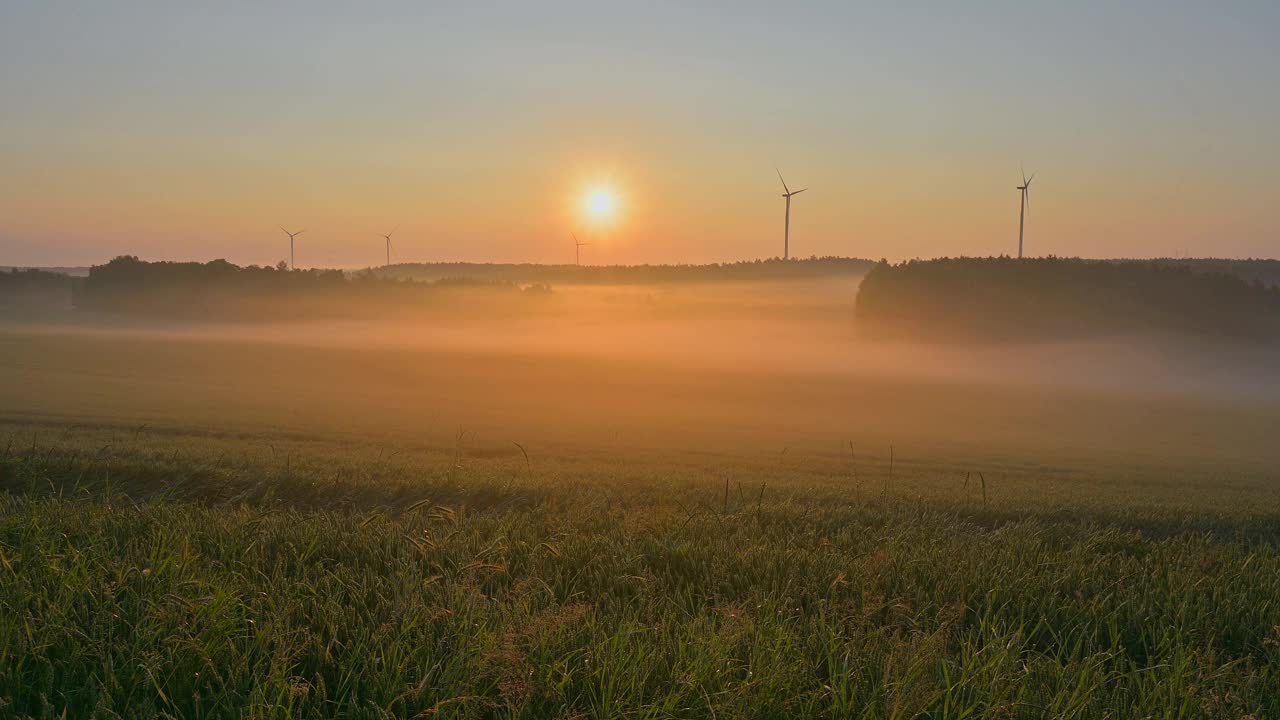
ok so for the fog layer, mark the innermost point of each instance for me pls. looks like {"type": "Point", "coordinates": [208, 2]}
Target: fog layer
{"type": "Point", "coordinates": [741, 367]}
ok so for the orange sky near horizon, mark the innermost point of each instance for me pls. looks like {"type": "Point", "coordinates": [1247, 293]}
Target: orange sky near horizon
{"type": "Point", "coordinates": [910, 139]}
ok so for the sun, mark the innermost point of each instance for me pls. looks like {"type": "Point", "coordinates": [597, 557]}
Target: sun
{"type": "Point", "coordinates": [601, 204]}
{"type": "Point", "coordinates": [598, 200]}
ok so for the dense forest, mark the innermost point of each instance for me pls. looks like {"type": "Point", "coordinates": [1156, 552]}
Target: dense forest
{"type": "Point", "coordinates": [991, 298]}
{"type": "Point", "coordinates": [1008, 299]}
{"type": "Point", "coordinates": [72, 270]}
{"type": "Point", "coordinates": [748, 270]}
{"type": "Point", "coordinates": [33, 290]}
{"type": "Point", "coordinates": [1263, 272]}
{"type": "Point", "coordinates": [221, 290]}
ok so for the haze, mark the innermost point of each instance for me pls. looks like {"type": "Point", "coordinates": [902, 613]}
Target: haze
{"type": "Point", "coordinates": [192, 132]}
{"type": "Point", "coordinates": [739, 368]}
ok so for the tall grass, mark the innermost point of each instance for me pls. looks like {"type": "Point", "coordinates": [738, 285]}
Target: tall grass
{"type": "Point", "coordinates": [182, 578]}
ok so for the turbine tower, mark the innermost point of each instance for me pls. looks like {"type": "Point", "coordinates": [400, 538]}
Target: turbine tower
{"type": "Point", "coordinates": [1025, 189]}
{"type": "Point", "coordinates": [387, 237]}
{"type": "Point", "coordinates": [577, 249]}
{"type": "Point", "coordinates": [786, 228]}
{"type": "Point", "coordinates": [291, 235]}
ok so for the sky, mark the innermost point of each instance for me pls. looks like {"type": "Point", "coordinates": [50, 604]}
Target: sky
{"type": "Point", "coordinates": [192, 131]}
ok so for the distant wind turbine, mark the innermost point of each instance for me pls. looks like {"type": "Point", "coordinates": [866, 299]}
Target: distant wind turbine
{"type": "Point", "coordinates": [387, 237]}
{"type": "Point", "coordinates": [1025, 188]}
{"type": "Point", "coordinates": [786, 228]}
{"type": "Point", "coordinates": [577, 249]}
{"type": "Point", "coordinates": [291, 235]}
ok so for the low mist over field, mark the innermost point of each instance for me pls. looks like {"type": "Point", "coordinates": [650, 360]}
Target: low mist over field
{"type": "Point", "coordinates": [768, 363]}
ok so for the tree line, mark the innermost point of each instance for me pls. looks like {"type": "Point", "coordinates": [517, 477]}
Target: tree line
{"type": "Point", "coordinates": [1009, 299]}
{"type": "Point", "coordinates": [221, 289]}
{"type": "Point", "coordinates": [1261, 271]}
{"type": "Point", "coordinates": [25, 291]}
{"type": "Point", "coordinates": [746, 270]}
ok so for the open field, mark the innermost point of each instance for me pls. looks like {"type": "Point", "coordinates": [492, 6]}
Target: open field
{"type": "Point", "coordinates": [639, 361]}
{"type": "Point", "coordinates": [632, 501]}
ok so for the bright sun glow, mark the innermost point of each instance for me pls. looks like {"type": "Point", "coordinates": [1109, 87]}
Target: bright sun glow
{"type": "Point", "coordinates": [601, 203]}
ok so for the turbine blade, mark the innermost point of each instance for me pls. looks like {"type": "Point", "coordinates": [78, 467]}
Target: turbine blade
{"type": "Point", "coordinates": [1024, 174]}
{"type": "Point", "coordinates": [1033, 177]}
{"type": "Point", "coordinates": [797, 192]}
{"type": "Point", "coordinates": [784, 182]}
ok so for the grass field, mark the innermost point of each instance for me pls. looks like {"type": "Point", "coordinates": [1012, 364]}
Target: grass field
{"type": "Point", "coordinates": [223, 525]}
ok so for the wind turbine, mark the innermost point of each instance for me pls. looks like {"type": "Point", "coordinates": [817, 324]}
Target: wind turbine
{"type": "Point", "coordinates": [1025, 189]}
{"type": "Point", "coordinates": [786, 228]}
{"type": "Point", "coordinates": [387, 237]}
{"type": "Point", "coordinates": [577, 249]}
{"type": "Point", "coordinates": [291, 235]}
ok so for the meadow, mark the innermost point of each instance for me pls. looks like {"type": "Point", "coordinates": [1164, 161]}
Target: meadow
{"type": "Point", "coordinates": [711, 502]}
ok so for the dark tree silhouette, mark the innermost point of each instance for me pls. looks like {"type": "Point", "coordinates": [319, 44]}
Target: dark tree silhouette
{"type": "Point", "coordinates": [219, 289]}
{"type": "Point", "coordinates": [1007, 299]}
{"type": "Point", "coordinates": [771, 269]}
